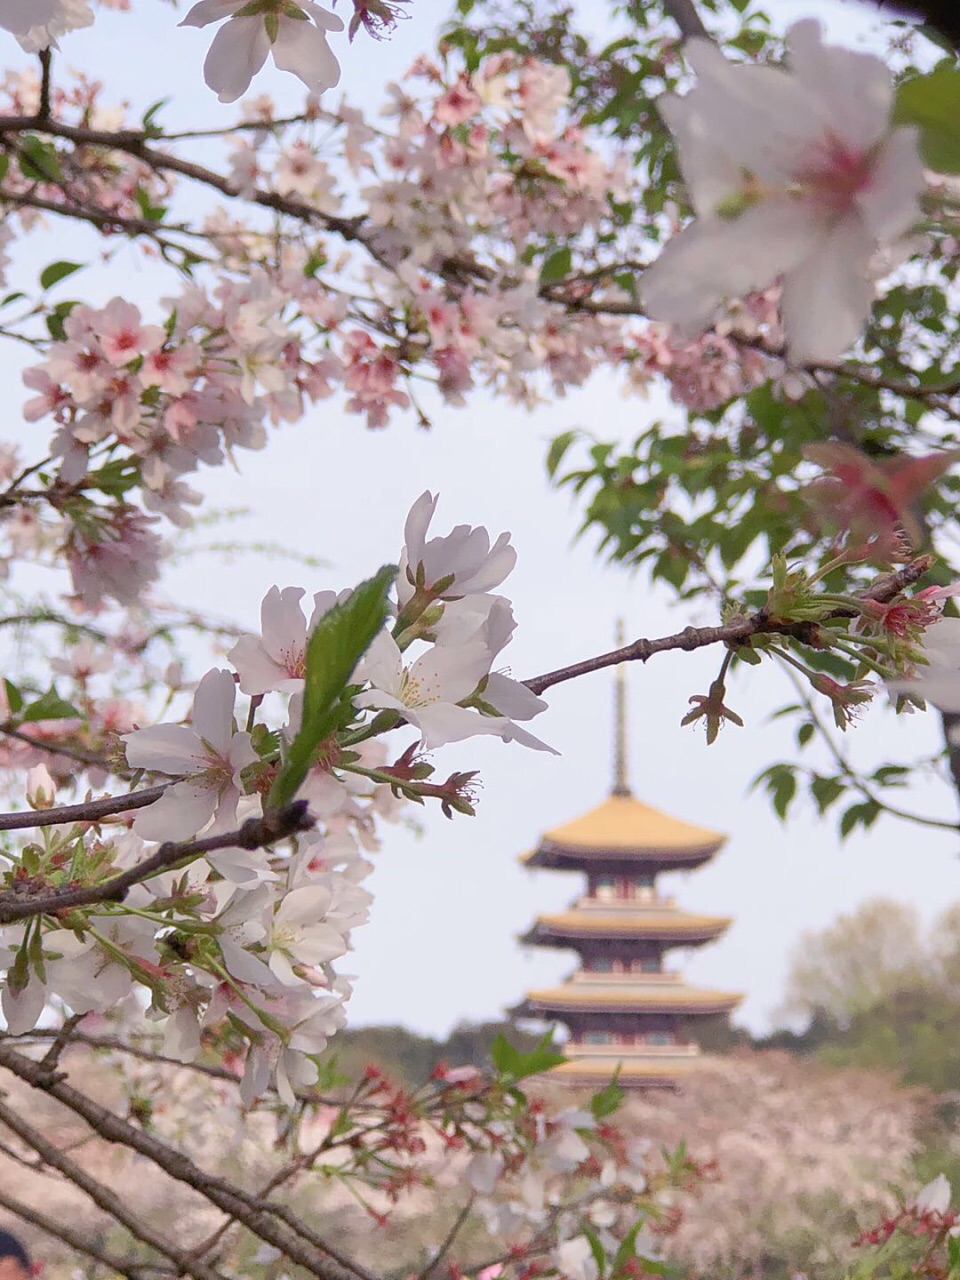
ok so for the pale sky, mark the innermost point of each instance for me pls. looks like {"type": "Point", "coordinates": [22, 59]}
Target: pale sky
{"type": "Point", "coordinates": [449, 903]}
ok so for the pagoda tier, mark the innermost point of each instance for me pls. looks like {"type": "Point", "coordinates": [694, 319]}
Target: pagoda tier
{"type": "Point", "coordinates": [622, 835]}
{"type": "Point", "coordinates": [624, 1013]}
{"type": "Point", "coordinates": [600, 929]}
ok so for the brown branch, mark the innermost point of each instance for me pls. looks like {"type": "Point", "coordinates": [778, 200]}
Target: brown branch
{"type": "Point", "coordinates": [89, 811]}
{"type": "Point", "coordinates": [253, 834]}
{"type": "Point", "coordinates": [687, 19]}
{"type": "Point", "coordinates": [101, 1195]}
{"type": "Point", "coordinates": [275, 1224]}
{"type": "Point", "coordinates": [734, 632]}
{"type": "Point", "coordinates": [61, 1229]}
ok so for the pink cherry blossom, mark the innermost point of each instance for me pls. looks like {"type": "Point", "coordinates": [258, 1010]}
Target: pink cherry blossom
{"type": "Point", "coordinates": [209, 751]}
{"type": "Point", "coordinates": [796, 174]}
{"type": "Point", "coordinates": [275, 660]}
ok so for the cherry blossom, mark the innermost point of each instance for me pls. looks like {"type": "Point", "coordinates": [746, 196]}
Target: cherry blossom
{"type": "Point", "coordinates": [210, 752]}
{"type": "Point", "coordinates": [429, 690]}
{"type": "Point", "coordinates": [796, 174]}
{"type": "Point", "coordinates": [36, 24]}
{"type": "Point", "coordinates": [938, 680]}
{"type": "Point", "coordinates": [276, 659]}
{"type": "Point", "coordinates": [295, 34]}
{"type": "Point", "coordinates": [458, 564]}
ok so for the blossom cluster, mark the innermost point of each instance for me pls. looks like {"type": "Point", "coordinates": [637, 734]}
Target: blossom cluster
{"type": "Point", "coordinates": [244, 937]}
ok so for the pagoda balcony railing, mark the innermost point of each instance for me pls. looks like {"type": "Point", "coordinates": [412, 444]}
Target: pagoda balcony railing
{"type": "Point", "coordinates": [636, 978]}
{"type": "Point", "coordinates": [625, 1052]}
{"type": "Point", "coordinates": [652, 903]}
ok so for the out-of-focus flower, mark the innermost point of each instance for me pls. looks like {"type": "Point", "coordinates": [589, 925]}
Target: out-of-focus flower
{"type": "Point", "coordinates": [938, 682]}
{"type": "Point", "coordinates": [872, 499]}
{"type": "Point", "coordinates": [37, 23]}
{"type": "Point", "coordinates": [934, 1197]}
{"type": "Point", "coordinates": [295, 34]}
{"type": "Point", "coordinates": [796, 174]}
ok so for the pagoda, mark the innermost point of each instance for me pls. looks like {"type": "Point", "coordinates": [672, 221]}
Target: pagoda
{"type": "Point", "coordinates": [623, 1010]}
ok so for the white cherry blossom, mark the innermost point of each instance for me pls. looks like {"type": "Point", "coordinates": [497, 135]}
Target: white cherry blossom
{"type": "Point", "coordinates": [464, 554]}
{"type": "Point", "coordinates": [295, 34]}
{"type": "Point", "coordinates": [209, 751]}
{"type": "Point", "coordinates": [428, 691]}
{"type": "Point", "coordinates": [937, 681]}
{"type": "Point", "coordinates": [795, 174]}
{"type": "Point", "coordinates": [301, 934]}
{"type": "Point", "coordinates": [36, 24]}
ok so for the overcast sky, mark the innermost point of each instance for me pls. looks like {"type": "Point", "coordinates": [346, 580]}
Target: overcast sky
{"type": "Point", "coordinates": [449, 903]}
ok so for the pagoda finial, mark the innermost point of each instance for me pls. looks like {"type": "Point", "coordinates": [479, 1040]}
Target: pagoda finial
{"type": "Point", "coordinates": [620, 785]}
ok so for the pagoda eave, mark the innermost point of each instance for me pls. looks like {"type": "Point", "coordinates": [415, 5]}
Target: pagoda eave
{"type": "Point", "coordinates": [574, 927]}
{"type": "Point", "coordinates": [558, 1003]}
{"type": "Point", "coordinates": [551, 856]}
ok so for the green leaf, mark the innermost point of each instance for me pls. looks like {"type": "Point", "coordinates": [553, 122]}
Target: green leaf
{"type": "Point", "coordinates": [14, 697]}
{"type": "Point", "coordinates": [57, 271]}
{"type": "Point", "coordinates": [932, 102]}
{"type": "Point", "coordinates": [596, 1248]}
{"type": "Point", "coordinates": [510, 1062]}
{"type": "Point", "coordinates": [55, 318]}
{"type": "Point", "coordinates": [50, 706]}
{"type": "Point", "coordinates": [608, 1099]}
{"type": "Point", "coordinates": [557, 450]}
{"type": "Point", "coordinates": [556, 266]}
{"type": "Point", "coordinates": [38, 160]}
{"type": "Point", "coordinates": [339, 641]}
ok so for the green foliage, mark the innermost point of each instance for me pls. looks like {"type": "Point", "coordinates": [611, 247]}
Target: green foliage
{"type": "Point", "coordinates": [514, 1064]}
{"type": "Point", "coordinates": [56, 271]}
{"type": "Point", "coordinates": [339, 641]}
{"type": "Point", "coordinates": [932, 103]}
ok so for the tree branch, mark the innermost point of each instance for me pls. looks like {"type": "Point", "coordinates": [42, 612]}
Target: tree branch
{"type": "Point", "coordinates": [101, 1195]}
{"type": "Point", "coordinates": [89, 811]}
{"type": "Point", "coordinates": [60, 1229]}
{"type": "Point", "coordinates": [254, 834]}
{"type": "Point", "coordinates": [732, 633]}
{"type": "Point", "coordinates": [275, 1224]}
{"type": "Point", "coordinates": [687, 19]}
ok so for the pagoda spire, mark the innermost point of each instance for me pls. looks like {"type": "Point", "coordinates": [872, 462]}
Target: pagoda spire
{"type": "Point", "coordinates": [621, 786]}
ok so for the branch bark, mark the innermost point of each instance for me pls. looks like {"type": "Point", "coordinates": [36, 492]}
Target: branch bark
{"type": "Point", "coordinates": [254, 834]}
{"type": "Point", "coordinates": [731, 633]}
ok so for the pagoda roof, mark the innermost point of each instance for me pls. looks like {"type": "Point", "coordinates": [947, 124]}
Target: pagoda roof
{"type": "Point", "coordinates": [624, 829]}
{"type": "Point", "coordinates": [675, 926]}
{"type": "Point", "coordinates": [626, 997]}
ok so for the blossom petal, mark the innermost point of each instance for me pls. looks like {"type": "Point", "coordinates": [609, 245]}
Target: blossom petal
{"type": "Point", "coordinates": [889, 202]}
{"type": "Point", "coordinates": [213, 705]}
{"type": "Point", "coordinates": [302, 49]}
{"type": "Point", "coordinates": [719, 258]}
{"type": "Point", "coordinates": [184, 809]}
{"type": "Point", "coordinates": [165, 748]}
{"type": "Point", "coordinates": [238, 52]}
{"type": "Point", "coordinates": [854, 90]}
{"type": "Point", "coordinates": [827, 301]}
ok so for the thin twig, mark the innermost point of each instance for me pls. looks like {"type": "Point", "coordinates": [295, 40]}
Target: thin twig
{"type": "Point", "coordinates": [734, 632]}
{"type": "Point", "coordinates": [89, 811]}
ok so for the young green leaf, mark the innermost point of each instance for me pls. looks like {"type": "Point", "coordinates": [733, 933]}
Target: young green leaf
{"type": "Point", "coordinates": [339, 641]}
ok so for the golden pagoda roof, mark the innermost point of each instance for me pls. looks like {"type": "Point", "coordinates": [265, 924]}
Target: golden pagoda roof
{"type": "Point", "coordinates": [633, 924]}
{"type": "Point", "coordinates": [628, 997]}
{"type": "Point", "coordinates": [626, 828]}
